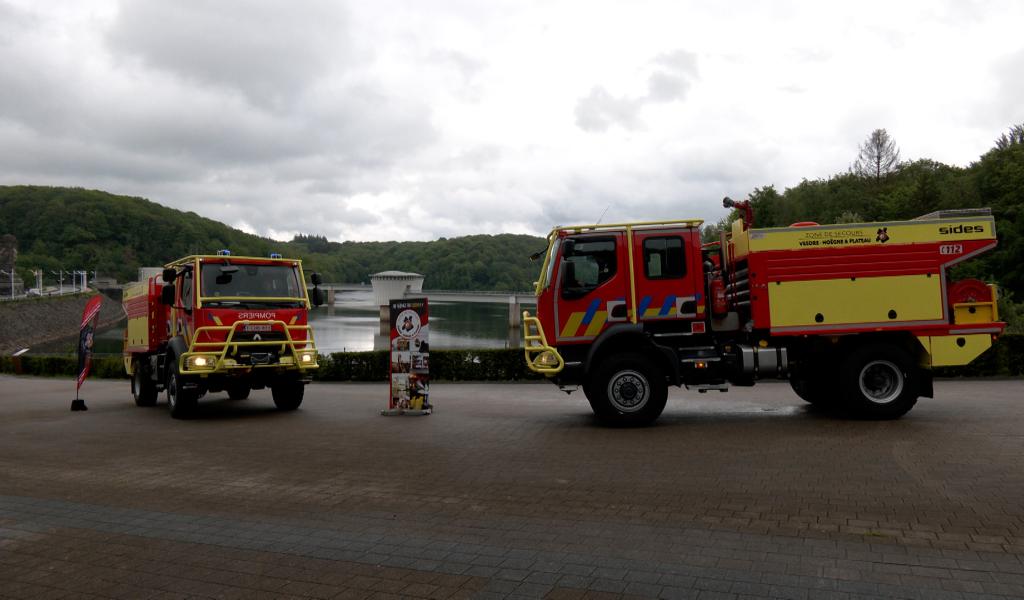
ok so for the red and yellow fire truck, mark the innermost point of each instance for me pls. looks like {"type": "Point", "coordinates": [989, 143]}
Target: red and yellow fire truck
{"type": "Point", "coordinates": [220, 323]}
{"type": "Point", "coordinates": [854, 315]}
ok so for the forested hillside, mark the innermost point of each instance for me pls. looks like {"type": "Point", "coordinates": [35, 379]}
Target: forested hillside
{"type": "Point", "coordinates": [73, 228]}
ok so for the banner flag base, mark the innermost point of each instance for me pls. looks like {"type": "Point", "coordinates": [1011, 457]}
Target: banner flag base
{"type": "Point", "coordinates": [394, 412]}
{"type": "Point", "coordinates": [78, 404]}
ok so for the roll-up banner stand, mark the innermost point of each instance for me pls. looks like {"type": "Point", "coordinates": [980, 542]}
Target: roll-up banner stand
{"type": "Point", "coordinates": [410, 358]}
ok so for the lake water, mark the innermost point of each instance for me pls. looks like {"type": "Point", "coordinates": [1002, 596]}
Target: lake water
{"type": "Point", "coordinates": [353, 325]}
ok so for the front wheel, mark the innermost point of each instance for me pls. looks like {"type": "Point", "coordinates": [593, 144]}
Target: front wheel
{"type": "Point", "coordinates": [628, 390]}
{"type": "Point", "coordinates": [879, 381]}
{"type": "Point", "coordinates": [288, 394]}
{"type": "Point", "coordinates": [143, 387]}
{"type": "Point", "coordinates": [182, 403]}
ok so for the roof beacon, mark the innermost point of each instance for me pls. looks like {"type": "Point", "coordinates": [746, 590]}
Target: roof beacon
{"type": "Point", "coordinates": [275, 255]}
{"type": "Point", "coordinates": [224, 252]}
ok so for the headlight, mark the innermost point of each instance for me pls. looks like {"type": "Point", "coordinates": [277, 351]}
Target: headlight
{"type": "Point", "coordinates": [546, 359]}
{"type": "Point", "coordinates": [307, 357]}
{"type": "Point", "coordinates": [201, 362]}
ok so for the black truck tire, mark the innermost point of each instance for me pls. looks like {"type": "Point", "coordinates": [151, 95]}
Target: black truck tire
{"type": "Point", "coordinates": [627, 390]}
{"type": "Point", "coordinates": [815, 383]}
{"type": "Point", "coordinates": [809, 389]}
{"type": "Point", "coordinates": [238, 391]}
{"type": "Point", "coordinates": [879, 381]}
{"type": "Point", "coordinates": [288, 394]}
{"type": "Point", "coordinates": [143, 386]}
{"type": "Point", "coordinates": [182, 403]}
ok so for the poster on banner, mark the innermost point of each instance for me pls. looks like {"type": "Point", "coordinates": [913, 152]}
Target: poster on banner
{"type": "Point", "coordinates": [410, 357]}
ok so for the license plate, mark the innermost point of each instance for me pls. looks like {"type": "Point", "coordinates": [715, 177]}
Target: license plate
{"type": "Point", "coordinates": [257, 328]}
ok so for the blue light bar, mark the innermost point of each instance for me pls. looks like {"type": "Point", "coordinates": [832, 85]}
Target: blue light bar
{"type": "Point", "coordinates": [275, 255]}
{"type": "Point", "coordinates": [224, 252]}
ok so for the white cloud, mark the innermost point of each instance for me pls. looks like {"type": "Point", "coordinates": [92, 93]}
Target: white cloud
{"type": "Point", "coordinates": [401, 120]}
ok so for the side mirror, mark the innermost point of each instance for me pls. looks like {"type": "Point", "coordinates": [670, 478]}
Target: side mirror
{"type": "Point", "coordinates": [316, 297]}
{"type": "Point", "coordinates": [167, 295]}
{"type": "Point", "coordinates": [315, 278]}
{"type": "Point", "coordinates": [169, 275]}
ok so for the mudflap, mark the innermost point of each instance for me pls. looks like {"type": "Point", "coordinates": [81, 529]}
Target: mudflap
{"type": "Point", "coordinates": [925, 388]}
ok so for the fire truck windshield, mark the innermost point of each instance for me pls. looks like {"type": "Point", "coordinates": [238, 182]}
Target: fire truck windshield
{"type": "Point", "coordinates": [235, 284]}
{"type": "Point", "coordinates": [549, 265]}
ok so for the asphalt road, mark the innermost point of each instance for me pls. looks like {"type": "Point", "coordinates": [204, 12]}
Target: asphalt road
{"type": "Point", "coordinates": [508, 490]}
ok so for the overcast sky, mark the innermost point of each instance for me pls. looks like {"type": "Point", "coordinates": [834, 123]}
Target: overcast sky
{"type": "Point", "coordinates": [386, 119]}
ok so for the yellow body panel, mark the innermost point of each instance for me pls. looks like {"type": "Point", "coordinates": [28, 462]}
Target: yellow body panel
{"type": "Point", "coordinates": [975, 312]}
{"type": "Point", "coordinates": [864, 300]}
{"type": "Point", "coordinates": [947, 351]}
{"type": "Point", "coordinates": [866, 234]}
{"type": "Point", "coordinates": [137, 327]}
{"type": "Point", "coordinates": [138, 332]}
{"type": "Point", "coordinates": [741, 239]}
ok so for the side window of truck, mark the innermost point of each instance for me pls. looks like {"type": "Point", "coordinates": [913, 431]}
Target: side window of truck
{"type": "Point", "coordinates": [664, 258]}
{"type": "Point", "coordinates": [587, 264]}
{"type": "Point", "coordinates": [186, 288]}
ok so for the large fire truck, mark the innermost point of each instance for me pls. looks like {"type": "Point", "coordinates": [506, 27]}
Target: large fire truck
{"type": "Point", "coordinates": [220, 323]}
{"type": "Point", "coordinates": [854, 315]}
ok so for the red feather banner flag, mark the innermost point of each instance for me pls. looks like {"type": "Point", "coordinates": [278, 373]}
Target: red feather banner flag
{"type": "Point", "coordinates": [85, 340]}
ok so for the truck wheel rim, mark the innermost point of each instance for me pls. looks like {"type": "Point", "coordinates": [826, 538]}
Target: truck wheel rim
{"type": "Point", "coordinates": [136, 384]}
{"type": "Point", "coordinates": [172, 391]}
{"type": "Point", "coordinates": [881, 381]}
{"type": "Point", "coordinates": [628, 391]}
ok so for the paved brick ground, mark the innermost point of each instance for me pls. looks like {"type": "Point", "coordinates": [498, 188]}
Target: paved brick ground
{"type": "Point", "coordinates": [508, 491]}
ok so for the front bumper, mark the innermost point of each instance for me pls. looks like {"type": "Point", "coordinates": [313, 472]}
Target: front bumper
{"type": "Point", "coordinates": [231, 355]}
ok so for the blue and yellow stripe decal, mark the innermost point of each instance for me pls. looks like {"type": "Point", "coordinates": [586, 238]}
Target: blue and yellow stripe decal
{"type": "Point", "coordinates": [593, 319]}
{"type": "Point", "coordinates": [589, 323]}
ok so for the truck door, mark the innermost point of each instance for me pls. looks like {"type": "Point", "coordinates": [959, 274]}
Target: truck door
{"type": "Point", "coordinates": [592, 286]}
{"type": "Point", "coordinates": [669, 276]}
{"type": "Point", "coordinates": [181, 315]}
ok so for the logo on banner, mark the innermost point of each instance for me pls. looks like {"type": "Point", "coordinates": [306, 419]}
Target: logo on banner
{"type": "Point", "coordinates": [408, 323]}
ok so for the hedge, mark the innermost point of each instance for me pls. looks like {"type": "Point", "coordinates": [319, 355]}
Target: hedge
{"type": "Point", "coordinates": [1005, 358]}
{"type": "Point", "coordinates": [450, 365]}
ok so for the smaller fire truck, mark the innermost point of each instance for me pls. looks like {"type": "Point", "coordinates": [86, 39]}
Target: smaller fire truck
{"type": "Point", "coordinates": [220, 323]}
{"type": "Point", "coordinates": [853, 315]}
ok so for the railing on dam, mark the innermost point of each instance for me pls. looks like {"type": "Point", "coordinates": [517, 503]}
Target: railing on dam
{"type": "Point", "coordinates": [515, 300]}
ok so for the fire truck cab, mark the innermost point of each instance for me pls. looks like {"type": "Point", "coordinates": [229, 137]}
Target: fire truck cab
{"type": "Point", "coordinates": [853, 315]}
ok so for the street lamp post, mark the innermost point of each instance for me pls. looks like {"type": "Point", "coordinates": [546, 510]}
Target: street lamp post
{"type": "Point", "coordinates": [60, 278]}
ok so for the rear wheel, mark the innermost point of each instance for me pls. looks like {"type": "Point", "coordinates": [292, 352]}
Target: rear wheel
{"type": "Point", "coordinates": [879, 381]}
{"type": "Point", "coordinates": [182, 403]}
{"type": "Point", "coordinates": [143, 386]}
{"type": "Point", "coordinates": [815, 383]}
{"type": "Point", "coordinates": [288, 394]}
{"type": "Point", "coordinates": [627, 389]}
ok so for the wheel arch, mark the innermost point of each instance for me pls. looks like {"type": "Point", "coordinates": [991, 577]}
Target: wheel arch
{"type": "Point", "coordinates": [629, 337]}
